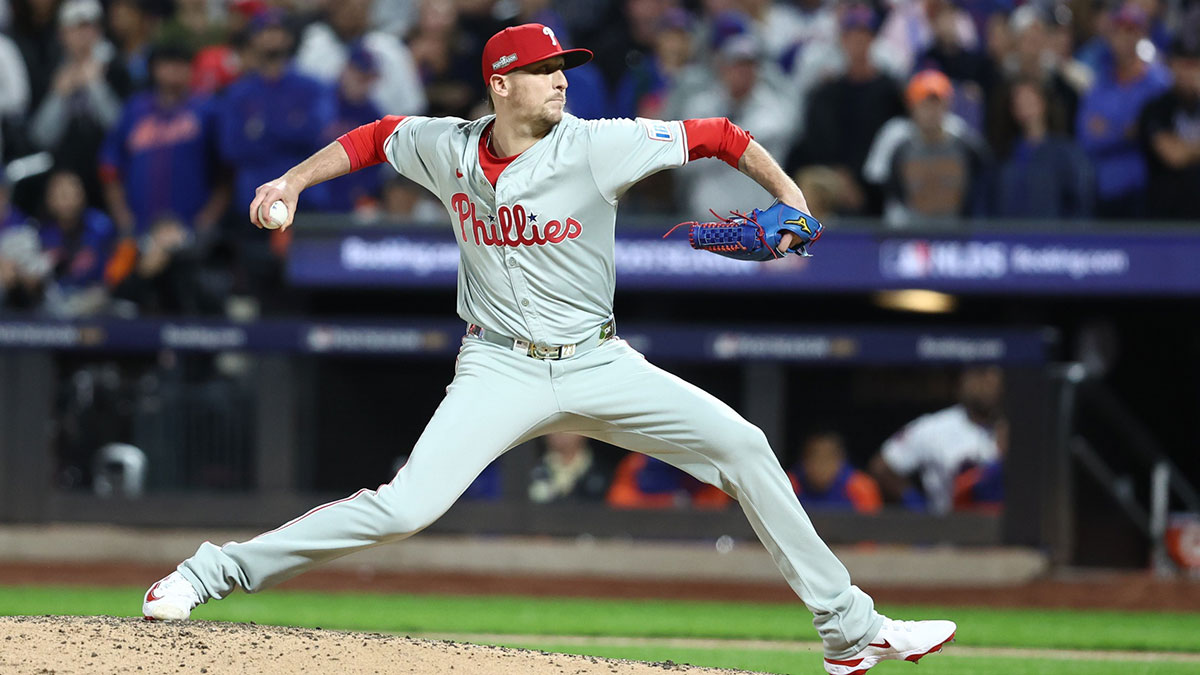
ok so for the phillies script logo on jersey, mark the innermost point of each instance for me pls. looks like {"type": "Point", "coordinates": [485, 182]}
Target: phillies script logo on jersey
{"type": "Point", "coordinates": [511, 226]}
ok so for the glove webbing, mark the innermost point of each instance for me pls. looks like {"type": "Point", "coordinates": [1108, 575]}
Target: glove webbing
{"type": "Point", "coordinates": [727, 224]}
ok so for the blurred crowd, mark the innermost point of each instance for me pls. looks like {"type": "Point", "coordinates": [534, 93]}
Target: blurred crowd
{"type": "Point", "coordinates": [944, 461]}
{"type": "Point", "coordinates": [134, 132]}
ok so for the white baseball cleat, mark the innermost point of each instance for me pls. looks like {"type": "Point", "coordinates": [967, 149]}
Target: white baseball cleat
{"type": "Point", "coordinates": [898, 641]}
{"type": "Point", "coordinates": [171, 598]}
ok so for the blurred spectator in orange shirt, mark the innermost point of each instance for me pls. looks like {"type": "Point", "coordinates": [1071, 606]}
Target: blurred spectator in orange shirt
{"type": "Point", "coordinates": [642, 482]}
{"type": "Point", "coordinates": [823, 479]}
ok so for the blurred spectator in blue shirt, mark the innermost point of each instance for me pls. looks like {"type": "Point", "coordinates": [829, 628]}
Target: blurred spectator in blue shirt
{"type": "Point", "coordinates": [1107, 124]}
{"type": "Point", "coordinates": [589, 98]}
{"type": "Point", "coordinates": [1170, 135]}
{"type": "Point", "coordinates": [272, 117]}
{"type": "Point", "coordinates": [79, 242]}
{"type": "Point", "coordinates": [354, 108]}
{"type": "Point", "coordinates": [824, 479]}
{"type": "Point", "coordinates": [1045, 175]}
{"type": "Point", "coordinates": [161, 158]}
{"type": "Point", "coordinates": [643, 89]}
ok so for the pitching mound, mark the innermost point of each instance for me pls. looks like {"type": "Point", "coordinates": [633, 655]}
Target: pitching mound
{"type": "Point", "coordinates": [97, 645]}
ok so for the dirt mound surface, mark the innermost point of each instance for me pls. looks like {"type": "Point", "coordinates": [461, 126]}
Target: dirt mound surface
{"type": "Point", "coordinates": [45, 645]}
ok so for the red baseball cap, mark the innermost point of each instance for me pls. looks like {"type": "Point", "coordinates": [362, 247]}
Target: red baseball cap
{"type": "Point", "coordinates": [522, 45]}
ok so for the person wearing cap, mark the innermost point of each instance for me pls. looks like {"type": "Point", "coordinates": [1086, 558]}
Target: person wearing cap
{"type": "Point", "coordinates": [631, 40]}
{"type": "Point", "coordinates": [1106, 126]}
{"type": "Point", "coordinates": [823, 56]}
{"type": "Point", "coordinates": [161, 157]}
{"type": "Point", "coordinates": [273, 115]}
{"type": "Point", "coordinates": [845, 113]}
{"type": "Point", "coordinates": [353, 109]}
{"type": "Point", "coordinates": [931, 164]}
{"type": "Point", "coordinates": [325, 46]}
{"type": "Point", "coordinates": [1169, 131]}
{"type": "Point", "coordinates": [969, 69]}
{"type": "Point", "coordinates": [745, 90]}
{"type": "Point", "coordinates": [85, 95]}
{"type": "Point", "coordinates": [532, 193]}
{"type": "Point", "coordinates": [908, 29]}
{"type": "Point", "coordinates": [643, 89]}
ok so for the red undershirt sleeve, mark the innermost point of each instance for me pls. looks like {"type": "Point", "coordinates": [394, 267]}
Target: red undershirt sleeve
{"type": "Point", "coordinates": [364, 145]}
{"type": "Point", "coordinates": [716, 137]}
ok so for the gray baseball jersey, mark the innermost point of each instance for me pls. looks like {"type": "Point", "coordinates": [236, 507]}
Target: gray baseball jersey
{"type": "Point", "coordinates": [537, 266]}
{"type": "Point", "coordinates": [537, 249]}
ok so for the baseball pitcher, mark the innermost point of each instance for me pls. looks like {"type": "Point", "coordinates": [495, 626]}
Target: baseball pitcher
{"type": "Point", "coordinates": [532, 193]}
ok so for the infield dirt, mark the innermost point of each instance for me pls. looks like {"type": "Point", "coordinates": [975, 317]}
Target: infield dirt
{"type": "Point", "coordinates": [46, 645]}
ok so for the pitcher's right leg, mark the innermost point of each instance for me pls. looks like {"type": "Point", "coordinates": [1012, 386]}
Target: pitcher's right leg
{"type": "Point", "coordinates": [496, 399]}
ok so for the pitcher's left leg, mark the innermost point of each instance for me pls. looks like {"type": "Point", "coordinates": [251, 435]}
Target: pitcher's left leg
{"type": "Point", "coordinates": [640, 407]}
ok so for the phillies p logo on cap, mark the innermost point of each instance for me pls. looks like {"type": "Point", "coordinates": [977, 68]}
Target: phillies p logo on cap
{"type": "Point", "coordinates": [522, 45]}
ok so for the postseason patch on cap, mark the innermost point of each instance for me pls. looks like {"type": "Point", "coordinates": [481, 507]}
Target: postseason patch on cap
{"type": "Point", "coordinates": [657, 130]}
{"type": "Point", "coordinates": [503, 61]}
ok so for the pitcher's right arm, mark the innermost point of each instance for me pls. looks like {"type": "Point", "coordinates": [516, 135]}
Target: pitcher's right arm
{"type": "Point", "coordinates": [352, 151]}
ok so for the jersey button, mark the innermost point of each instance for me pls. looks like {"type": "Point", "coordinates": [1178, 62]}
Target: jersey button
{"type": "Point", "coordinates": [525, 302]}
{"type": "Point", "coordinates": [512, 262]}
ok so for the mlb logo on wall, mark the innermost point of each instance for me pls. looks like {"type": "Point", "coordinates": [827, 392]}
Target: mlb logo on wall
{"type": "Point", "coordinates": [909, 259]}
{"type": "Point", "coordinates": [658, 131]}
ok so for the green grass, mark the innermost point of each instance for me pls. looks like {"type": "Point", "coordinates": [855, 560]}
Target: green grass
{"type": "Point", "coordinates": [981, 627]}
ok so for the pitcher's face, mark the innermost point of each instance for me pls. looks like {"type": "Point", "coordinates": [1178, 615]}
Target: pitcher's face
{"type": "Point", "coordinates": [538, 92]}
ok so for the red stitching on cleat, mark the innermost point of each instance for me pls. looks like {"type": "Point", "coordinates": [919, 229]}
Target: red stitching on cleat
{"type": "Point", "coordinates": [937, 648]}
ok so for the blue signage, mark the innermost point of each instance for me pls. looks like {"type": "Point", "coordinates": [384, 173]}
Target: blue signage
{"type": "Point", "coordinates": [1084, 263]}
{"type": "Point", "coordinates": [822, 345]}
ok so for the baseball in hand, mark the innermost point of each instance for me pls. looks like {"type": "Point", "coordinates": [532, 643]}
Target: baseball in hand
{"type": "Point", "coordinates": [276, 216]}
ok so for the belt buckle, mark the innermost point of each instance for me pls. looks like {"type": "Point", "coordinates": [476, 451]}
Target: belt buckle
{"type": "Point", "coordinates": [550, 353]}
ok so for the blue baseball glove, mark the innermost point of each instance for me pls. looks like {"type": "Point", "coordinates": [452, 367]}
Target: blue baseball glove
{"type": "Point", "coordinates": [755, 236]}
